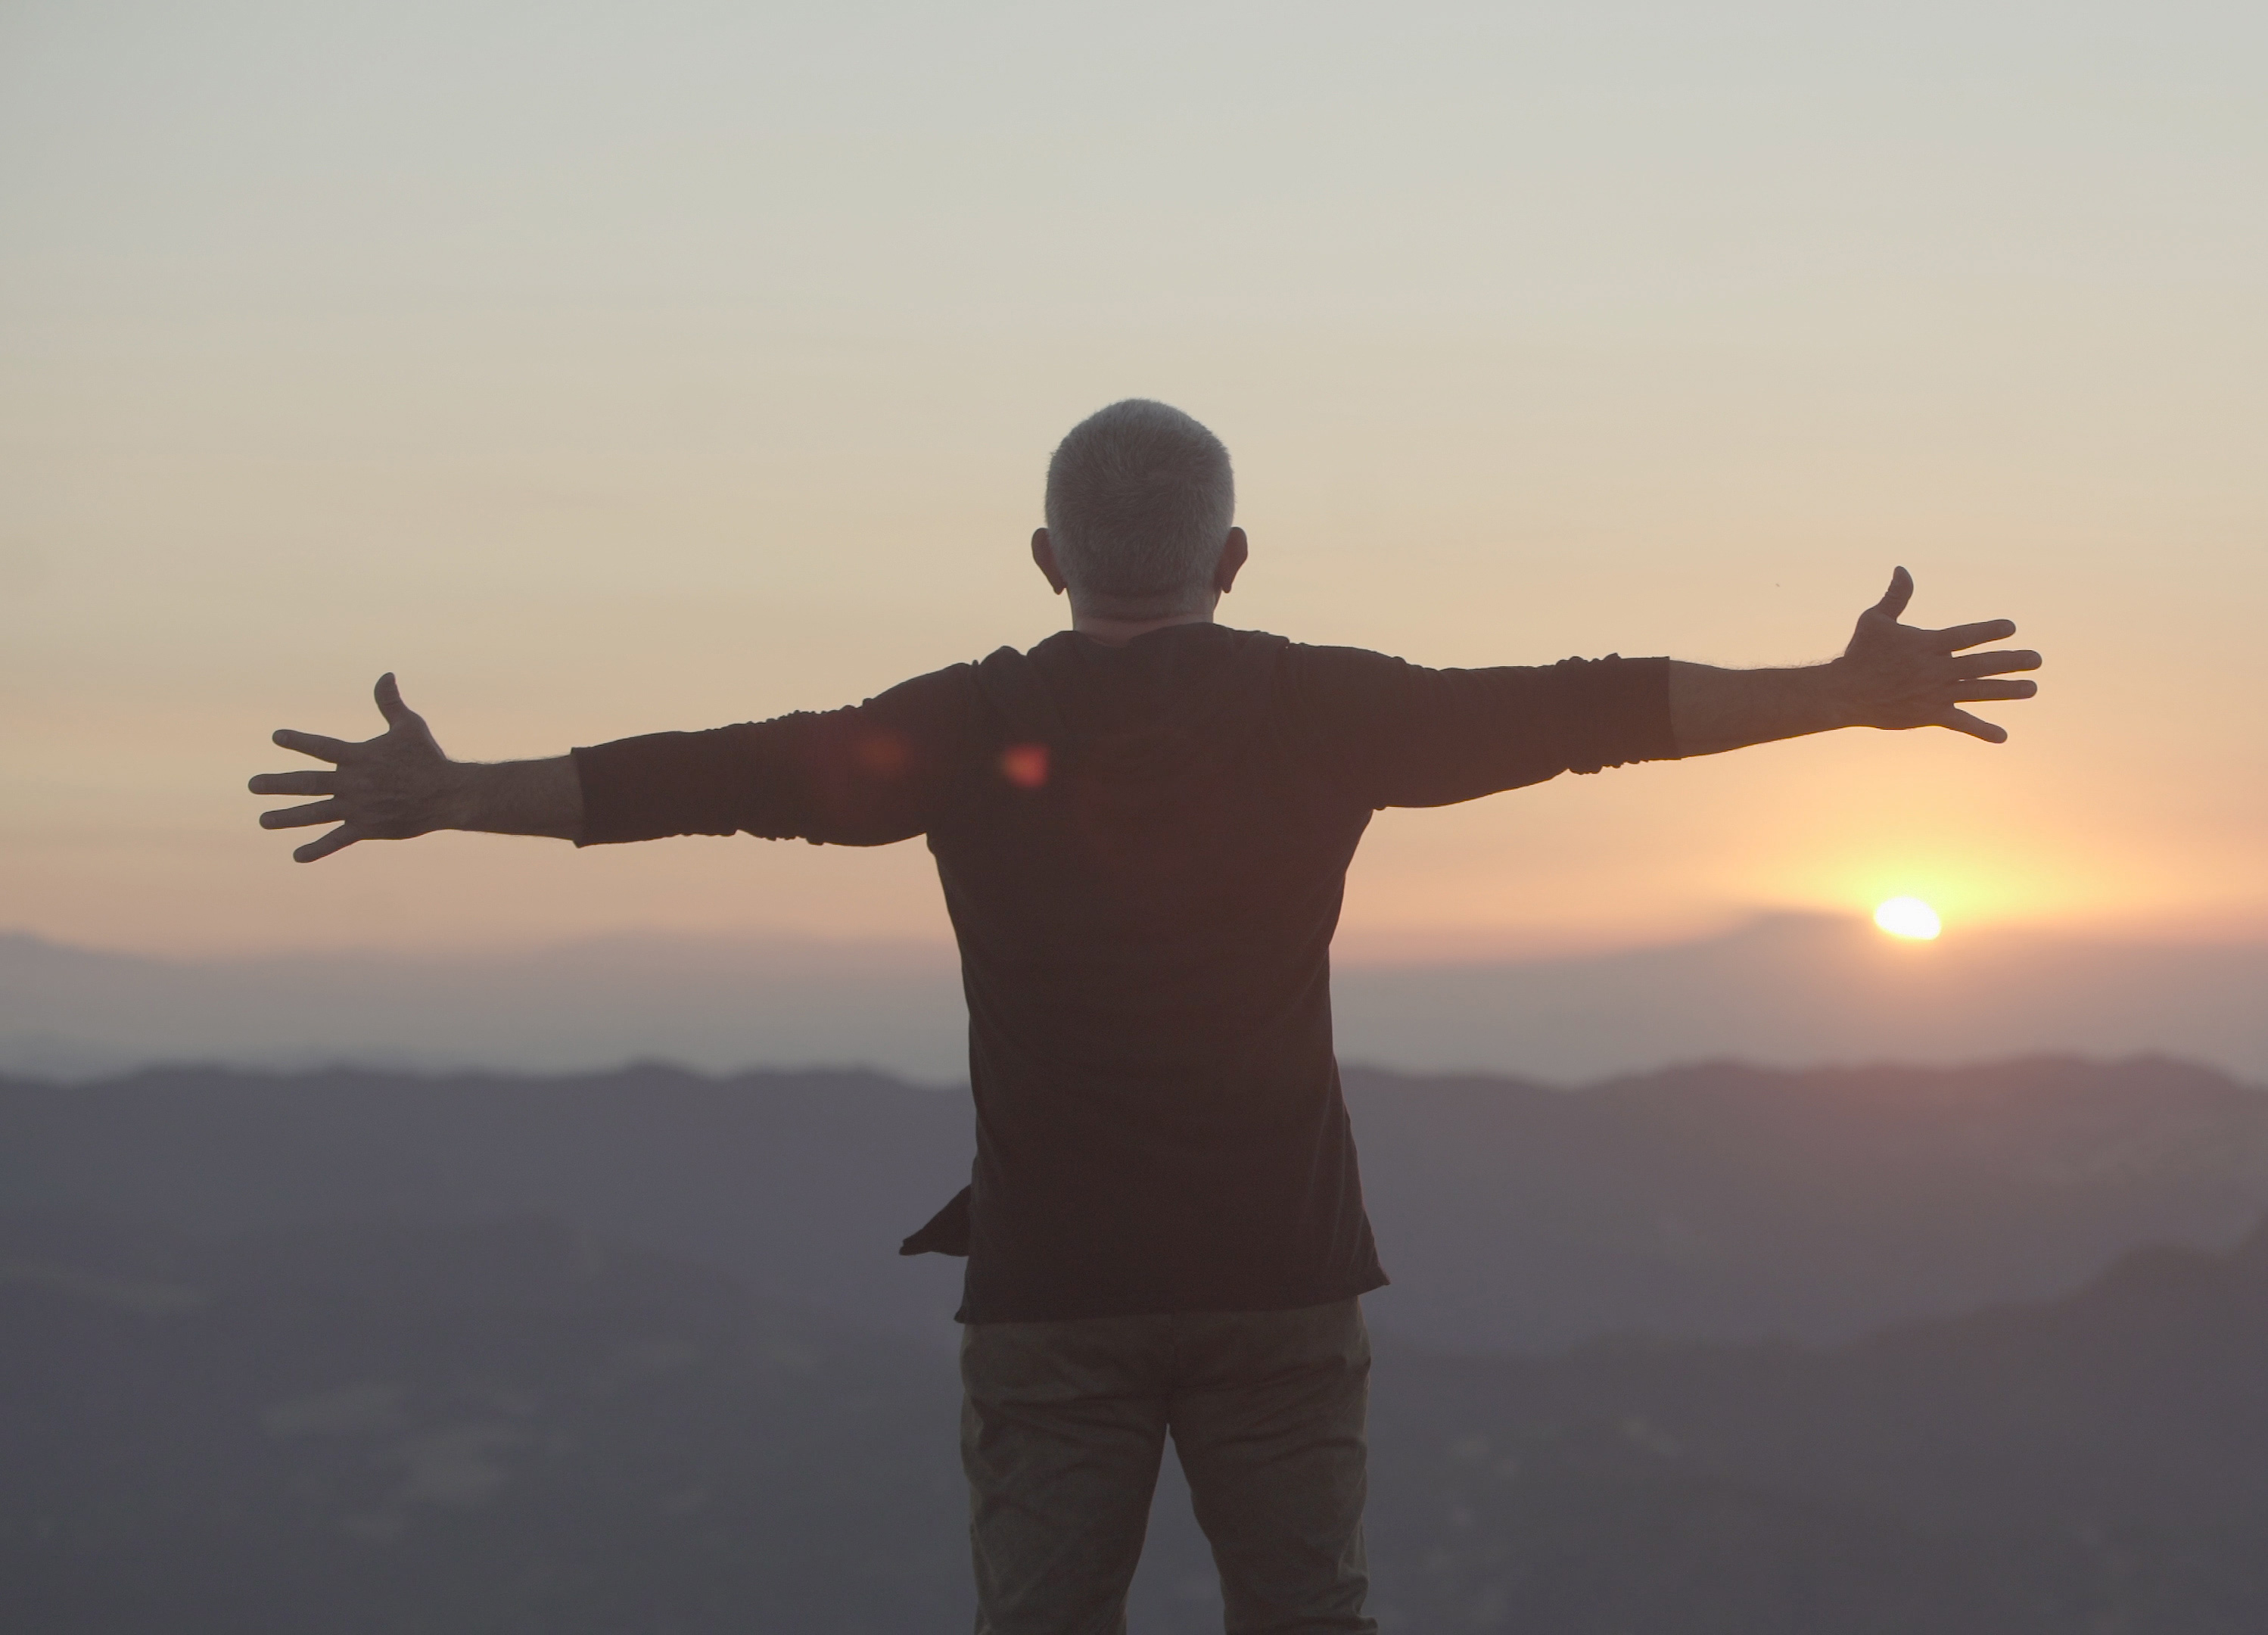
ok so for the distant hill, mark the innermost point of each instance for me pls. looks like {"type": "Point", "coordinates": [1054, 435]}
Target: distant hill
{"type": "Point", "coordinates": [2097, 1463]}
{"type": "Point", "coordinates": [77, 1012]}
{"type": "Point", "coordinates": [1728, 1201]}
{"type": "Point", "coordinates": [507, 1426]}
{"type": "Point", "coordinates": [1716, 1202]}
{"type": "Point", "coordinates": [1791, 990]}
{"type": "Point", "coordinates": [800, 1185]}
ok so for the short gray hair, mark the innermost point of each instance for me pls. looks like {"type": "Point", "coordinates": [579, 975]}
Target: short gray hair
{"type": "Point", "coordinates": [1139, 502]}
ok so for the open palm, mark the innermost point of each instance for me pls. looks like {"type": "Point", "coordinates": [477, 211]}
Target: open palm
{"type": "Point", "coordinates": [1900, 675]}
{"type": "Point", "coordinates": [391, 787]}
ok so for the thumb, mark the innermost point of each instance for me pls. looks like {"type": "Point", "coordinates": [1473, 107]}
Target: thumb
{"type": "Point", "coordinates": [389, 702]}
{"type": "Point", "coordinates": [1895, 598]}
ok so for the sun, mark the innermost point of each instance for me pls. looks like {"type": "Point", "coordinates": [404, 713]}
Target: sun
{"type": "Point", "coordinates": [1908, 917]}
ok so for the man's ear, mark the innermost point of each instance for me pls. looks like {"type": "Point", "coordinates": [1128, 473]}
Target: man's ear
{"type": "Point", "coordinates": [1044, 555]}
{"type": "Point", "coordinates": [1044, 559]}
{"type": "Point", "coordinates": [1234, 554]}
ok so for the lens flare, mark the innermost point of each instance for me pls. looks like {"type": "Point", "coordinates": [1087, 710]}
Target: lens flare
{"type": "Point", "coordinates": [1908, 917]}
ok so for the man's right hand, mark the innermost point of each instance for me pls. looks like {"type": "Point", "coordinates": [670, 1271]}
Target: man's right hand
{"type": "Point", "coordinates": [399, 784]}
{"type": "Point", "coordinates": [391, 787]}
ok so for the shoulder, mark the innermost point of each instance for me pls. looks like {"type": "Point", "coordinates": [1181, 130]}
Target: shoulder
{"type": "Point", "coordinates": [945, 689]}
{"type": "Point", "coordinates": [925, 715]}
{"type": "Point", "coordinates": [1339, 677]}
{"type": "Point", "coordinates": [1340, 660]}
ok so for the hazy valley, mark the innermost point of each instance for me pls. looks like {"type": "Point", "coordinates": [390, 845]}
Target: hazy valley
{"type": "Point", "coordinates": [1711, 1349]}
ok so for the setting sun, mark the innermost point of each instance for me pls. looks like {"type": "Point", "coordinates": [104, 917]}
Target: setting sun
{"type": "Point", "coordinates": [1908, 917]}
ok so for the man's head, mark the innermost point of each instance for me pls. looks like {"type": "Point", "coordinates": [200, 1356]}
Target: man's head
{"type": "Point", "coordinates": [1139, 505]}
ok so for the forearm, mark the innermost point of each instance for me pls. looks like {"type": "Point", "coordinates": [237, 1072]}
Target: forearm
{"type": "Point", "coordinates": [1713, 709]}
{"type": "Point", "coordinates": [515, 797]}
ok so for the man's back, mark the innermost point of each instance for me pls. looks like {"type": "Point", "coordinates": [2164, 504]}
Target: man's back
{"type": "Point", "coordinates": [1143, 849]}
{"type": "Point", "coordinates": [1144, 940]}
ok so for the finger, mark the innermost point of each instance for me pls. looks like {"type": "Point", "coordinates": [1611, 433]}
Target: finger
{"type": "Point", "coordinates": [1961, 721]}
{"type": "Point", "coordinates": [300, 817]}
{"type": "Point", "coordinates": [293, 784]}
{"type": "Point", "coordinates": [1962, 636]}
{"type": "Point", "coordinates": [388, 695]}
{"type": "Point", "coordinates": [1977, 692]}
{"type": "Point", "coordinates": [1895, 598]}
{"type": "Point", "coordinates": [315, 744]}
{"type": "Point", "coordinates": [338, 840]}
{"type": "Point", "coordinates": [1995, 663]}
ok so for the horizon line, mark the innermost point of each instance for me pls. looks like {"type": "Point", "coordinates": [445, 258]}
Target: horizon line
{"type": "Point", "coordinates": [1450, 948]}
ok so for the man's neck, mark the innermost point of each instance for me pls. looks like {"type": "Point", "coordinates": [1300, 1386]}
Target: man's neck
{"type": "Point", "coordinates": [1116, 632]}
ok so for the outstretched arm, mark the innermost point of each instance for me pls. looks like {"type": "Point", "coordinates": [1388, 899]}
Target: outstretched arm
{"type": "Point", "coordinates": [1892, 675]}
{"type": "Point", "coordinates": [400, 785]}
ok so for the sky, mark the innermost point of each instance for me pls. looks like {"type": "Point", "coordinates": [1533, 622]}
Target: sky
{"type": "Point", "coordinates": [608, 369]}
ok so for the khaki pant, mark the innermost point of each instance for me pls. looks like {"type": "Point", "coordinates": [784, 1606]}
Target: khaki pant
{"type": "Point", "coordinates": [1062, 1429]}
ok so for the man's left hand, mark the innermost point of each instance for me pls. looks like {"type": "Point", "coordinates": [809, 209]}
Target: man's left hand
{"type": "Point", "coordinates": [1898, 676]}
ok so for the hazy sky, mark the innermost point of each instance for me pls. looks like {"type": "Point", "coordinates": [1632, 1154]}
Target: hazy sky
{"type": "Point", "coordinates": [603, 369]}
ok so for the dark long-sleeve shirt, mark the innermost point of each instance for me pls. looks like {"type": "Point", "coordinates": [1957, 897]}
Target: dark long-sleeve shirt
{"type": "Point", "coordinates": [1143, 849]}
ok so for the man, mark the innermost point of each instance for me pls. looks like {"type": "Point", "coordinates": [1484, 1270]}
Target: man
{"type": "Point", "coordinates": [1143, 828]}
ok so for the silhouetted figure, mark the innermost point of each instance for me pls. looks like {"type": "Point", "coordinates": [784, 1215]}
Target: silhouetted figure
{"type": "Point", "coordinates": [1143, 826]}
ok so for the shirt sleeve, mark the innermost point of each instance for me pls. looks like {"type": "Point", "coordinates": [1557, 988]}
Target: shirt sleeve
{"type": "Point", "coordinates": [1403, 735]}
{"type": "Point", "coordinates": [866, 775]}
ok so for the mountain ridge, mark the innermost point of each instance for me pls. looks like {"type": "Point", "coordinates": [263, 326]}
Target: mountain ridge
{"type": "Point", "coordinates": [1714, 1202]}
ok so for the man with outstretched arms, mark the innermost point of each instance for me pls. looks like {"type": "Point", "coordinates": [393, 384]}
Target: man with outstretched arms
{"type": "Point", "coordinates": [1143, 826]}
